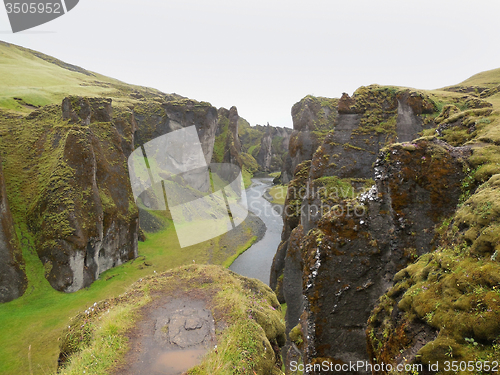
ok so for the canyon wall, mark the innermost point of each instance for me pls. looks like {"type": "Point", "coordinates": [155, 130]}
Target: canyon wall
{"type": "Point", "coordinates": [12, 277]}
{"type": "Point", "coordinates": [363, 206]}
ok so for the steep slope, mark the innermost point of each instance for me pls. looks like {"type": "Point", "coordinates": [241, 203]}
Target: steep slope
{"type": "Point", "coordinates": [12, 277]}
{"type": "Point", "coordinates": [31, 79]}
{"type": "Point", "coordinates": [344, 239]}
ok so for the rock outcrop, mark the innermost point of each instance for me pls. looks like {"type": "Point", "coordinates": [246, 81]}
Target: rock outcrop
{"type": "Point", "coordinates": [84, 218]}
{"type": "Point", "coordinates": [352, 131]}
{"type": "Point", "coordinates": [236, 320]}
{"type": "Point", "coordinates": [83, 214]}
{"type": "Point", "coordinates": [373, 237]}
{"type": "Point", "coordinates": [373, 199]}
{"type": "Point", "coordinates": [312, 119]}
{"type": "Point", "coordinates": [255, 148]}
{"type": "Point", "coordinates": [12, 277]}
{"type": "Point", "coordinates": [156, 118]}
{"type": "Point", "coordinates": [233, 145]}
{"type": "Point", "coordinates": [273, 148]}
{"type": "Point", "coordinates": [335, 220]}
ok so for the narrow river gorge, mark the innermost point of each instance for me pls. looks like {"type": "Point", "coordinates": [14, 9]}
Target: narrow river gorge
{"type": "Point", "coordinates": [256, 261]}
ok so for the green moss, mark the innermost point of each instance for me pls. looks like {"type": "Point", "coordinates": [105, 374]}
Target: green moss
{"type": "Point", "coordinates": [487, 162]}
{"type": "Point", "coordinates": [278, 194]}
{"type": "Point", "coordinates": [249, 162]}
{"type": "Point", "coordinates": [296, 335]}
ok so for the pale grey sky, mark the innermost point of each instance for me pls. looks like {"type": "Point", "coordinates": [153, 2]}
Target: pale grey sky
{"type": "Point", "coordinates": [265, 55]}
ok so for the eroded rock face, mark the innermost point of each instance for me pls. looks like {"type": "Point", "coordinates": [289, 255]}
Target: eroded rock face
{"type": "Point", "coordinates": [291, 219]}
{"type": "Point", "coordinates": [273, 147]}
{"type": "Point", "coordinates": [352, 256]}
{"type": "Point", "coordinates": [12, 277]}
{"type": "Point", "coordinates": [233, 144]}
{"type": "Point", "coordinates": [354, 130]}
{"type": "Point", "coordinates": [155, 119]}
{"type": "Point", "coordinates": [373, 118]}
{"type": "Point", "coordinates": [312, 118]}
{"type": "Point", "coordinates": [85, 221]}
{"type": "Point", "coordinates": [265, 154]}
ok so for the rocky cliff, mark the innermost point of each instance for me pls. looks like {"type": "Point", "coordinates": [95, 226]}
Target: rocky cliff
{"type": "Point", "coordinates": [81, 212]}
{"type": "Point", "coordinates": [257, 148]}
{"type": "Point", "coordinates": [154, 118]}
{"type": "Point", "coordinates": [12, 277]}
{"type": "Point", "coordinates": [273, 148]}
{"type": "Point", "coordinates": [228, 145]}
{"type": "Point", "coordinates": [312, 119]}
{"type": "Point", "coordinates": [73, 192]}
{"type": "Point", "coordinates": [366, 205]}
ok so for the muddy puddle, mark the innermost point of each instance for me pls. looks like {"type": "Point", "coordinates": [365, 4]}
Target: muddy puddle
{"type": "Point", "coordinates": [177, 361]}
{"type": "Point", "coordinates": [173, 337]}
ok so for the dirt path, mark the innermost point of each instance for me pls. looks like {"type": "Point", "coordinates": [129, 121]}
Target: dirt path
{"type": "Point", "coordinates": [171, 336]}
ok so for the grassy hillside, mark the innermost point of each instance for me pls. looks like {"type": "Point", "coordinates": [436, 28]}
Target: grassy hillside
{"type": "Point", "coordinates": [31, 79]}
{"type": "Point", "coordinates": [490, 78]}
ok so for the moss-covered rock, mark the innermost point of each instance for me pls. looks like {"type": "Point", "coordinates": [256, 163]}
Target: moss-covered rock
{"type": "Point", "coordinates": [250, 326]}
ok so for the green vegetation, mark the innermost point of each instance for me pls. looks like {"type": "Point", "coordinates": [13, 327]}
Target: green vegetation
{"type": "Point", "coordinates": [489, 78]}
{"type": "Point", "coordinates": [39, 167]}
{"type": "Point", "coordinates": [278, 194]}
{"type": "Point", "coordinates": [37, 318]}
{"type": "Point", "coordinates": [332, 189]}
{"type": "Point", "coordinates": [239, 250]}
{"type": "Point", "coordinates": [296, 335]}
{"type": "Point", "coordinates": [248, 308]}
{"type": "Point", "coordinates": [31, 79]}
{"type": "Point", "coordinates": [456, 294]}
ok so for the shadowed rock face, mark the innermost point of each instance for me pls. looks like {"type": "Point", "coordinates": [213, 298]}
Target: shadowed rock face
{"type": "Point", "coordinates": [86, 222]}
{"type": "Point", "coordinates": [273, 147]}
{"type": "Point", "coordinates": [12, 278]}
{"type": "Point", "coordinates": [331, 268]}
{"type": "Point", "coordinates": [266, 151]}
{"type": "Point", "coordinates": [155, 119]}
{"type": "Point", "coordinates": [353, 255]}
{"type": "Point", "coordinates": [311, 118]}
{"type": "Point", "coordinates": [367, 122]}
{"type": "Point", "coordinates": [233, 144]}
{"type": "Point", "coordinates": [353, 132]}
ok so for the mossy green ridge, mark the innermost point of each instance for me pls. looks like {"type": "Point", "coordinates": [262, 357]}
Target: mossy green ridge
{"type": "Point", "coordinates": [253, 326]}
{"type": "Point", "coordinates": [31, 79]}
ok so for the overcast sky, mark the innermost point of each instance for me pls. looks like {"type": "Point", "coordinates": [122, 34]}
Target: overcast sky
{"type": "Point", "coordinates": [263, 55]}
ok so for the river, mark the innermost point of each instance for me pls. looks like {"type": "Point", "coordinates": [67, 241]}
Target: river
{"type": "Point", "coordinates": [256, 261]}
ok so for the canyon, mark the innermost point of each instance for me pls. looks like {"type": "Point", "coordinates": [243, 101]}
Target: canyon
{"type": "Point", "coordinates": [389, 249]}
